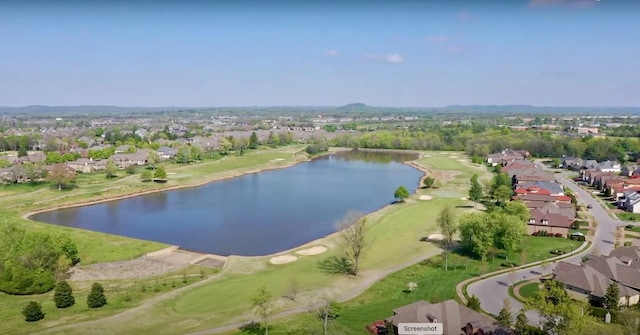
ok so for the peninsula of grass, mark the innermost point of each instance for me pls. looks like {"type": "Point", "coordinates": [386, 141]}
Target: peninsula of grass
{"type": "Point", "coordinates": [397, 233]}
{"type": "Point", "coordinates": [529, 290]}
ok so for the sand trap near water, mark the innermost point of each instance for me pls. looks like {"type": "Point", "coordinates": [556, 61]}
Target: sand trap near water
{"type": "Point", "coordinates": [283, 259]}
{"type": "Point", "coordinates": [312, 251]}
{"type": "Point", "coordinates": [436, 237]}
{"type": "Point", "coordinates": [463, 198]}
{"type": "Point", "coordinates": [425, 197]}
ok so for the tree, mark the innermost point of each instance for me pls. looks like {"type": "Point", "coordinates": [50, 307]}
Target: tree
{"type": "Point", "coordinates": [518, 209]}
{"type": "Point", "coordinates": [294, 287]}
{"type": "Point", "coordinates": [448, 227]}
{"type": "Point", "coordinates": [32, 311]}
{"type": "Point", "coordinates": [428, 182]}
{"type": "Point", "coordinates": [522, 322]}
{"type": "Point", "coordinates": [504, 317]}
{"type": "Point", "coordinates": [96, 297]}
{"type": "Point", "coordinates": [146, 175]}
{"type": "Point", "coordinates": [160, 174]}
{"type": "Point", "coordinates": [110, 170]}
{"type": "Point", "coordinates": [61, 176]}
{"type": "Point", "coordinates": [263, 304]}
{"type": "Point", "coordinates": [153, 159]}
{"type": "Point", "coordinates": [224, 145]}
{"type": "Point", "coordinates": [476, 232]}
{"type": "Point", "coordinates": [253, 141]}
{"type": "Point", "coordinates": [412, 286]}
{"type": "Point", "coordinates": [475, 191]}
{"type": "Point", "coordinates": [63, 295]}
{"type": "Point", "coordinates": [510, 231]}
{"type": "Point", "coordinates": [354, 233]}
{"type": "Point", "coordinates": [612, 297]}
{"type": "Point", "coordinates": [328, 312]}
{"type": "Point", "coordinates": [503, 193]}
{"type": "Point", "coordinates": [401, 193]}
{"type": "Point", "coordinates": [561, 314]}
{"type": "Point", "coordinates": [22, 151]}
{"type": "Point", "coordinates": [474, 303]}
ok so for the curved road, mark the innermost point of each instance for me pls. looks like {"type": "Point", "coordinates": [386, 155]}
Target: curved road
{"type": "Point", "coordinates": [492, 291]}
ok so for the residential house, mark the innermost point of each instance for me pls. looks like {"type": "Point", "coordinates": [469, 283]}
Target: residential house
{"type": "Point", "coordinates": [593, 276]}
{"type": "Point", "coordinates": [166, 152]}
{"type": "Point", "coordinates": [87, 165]}
{"type": "Point", "coordinates": [455, 318]}
{"type": "Point", "coordinates": [551, 187]}
{"type": "Point", "coordinates": [570, 162]}
{"type": "Point", "coordinates": [609, 166]}
{"type": "Point", "coordinates": [588, 130]}
{"type": "Point", "coordinates": [506, 156]}
{"type": "Point", "coordinates": [632, 171]}
{"type": "Point", "coordinates": [123, 161]}
{"type": "Point", "coordinates": [632, 203]}
{"type": "Point", "coordinates": [551, 223]}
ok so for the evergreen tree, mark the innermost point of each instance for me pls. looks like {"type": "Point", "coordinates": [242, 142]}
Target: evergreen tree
{"type": "Point", "coordinates": [96, 298]}
{"type": "Point", "coordinates": [504, 318]}
{"type": "Point", "coordinates": [474, 303]}
{"type": "Point", "coordinates": [160, 174]}
{"type": "Point", "coordinates": [253, 140]}
{"type": "Point", "coordinates": [32, 312]}
{"type": "Point", "coordinates": [22, 151]}
{"type": "Point", "coordinates": [612, 297]}
{"type": "Point", "coordinates": [63, 295]}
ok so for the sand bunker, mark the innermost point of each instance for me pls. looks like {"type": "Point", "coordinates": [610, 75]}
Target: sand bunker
{"type": "Point", "coordinates": [278, 159]}
{"type": "Point", "coordinates": [283, 259]}
{"type": "Point", "coordinates": [436, 237]}
{"type": "Point", "coordinates": [463, 198]}
{"type": "Point", "coordinates": [425, 197]}
{"type": "Point", "coordinates": [312, 251]}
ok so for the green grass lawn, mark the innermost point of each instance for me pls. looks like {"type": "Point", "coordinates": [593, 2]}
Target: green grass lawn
{"type": "Point", "coordinates": [529, 290]}
{"type": "Point", "coordinates": [396, 231]}
{"type": "Point", "coordinates": [434, 284]}
{"type": "Point", "coordinates": [628, 216]}
{"type": "Point", "coordinates": [635, 228]}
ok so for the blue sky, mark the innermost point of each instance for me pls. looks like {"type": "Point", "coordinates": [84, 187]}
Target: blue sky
{"type": "Point", "coordinates": [267, 53]}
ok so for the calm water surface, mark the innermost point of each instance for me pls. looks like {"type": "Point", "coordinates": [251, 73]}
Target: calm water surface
{"type": "Point", "coordinates": [255, 214]}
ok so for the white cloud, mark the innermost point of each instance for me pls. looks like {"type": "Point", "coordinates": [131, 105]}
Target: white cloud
{"type": "Point", "coordinates": [392, 58]}
{"type": "Point", "coordinates": [395, 58]}
{"type": "Point", "coordinates": [331, 52]}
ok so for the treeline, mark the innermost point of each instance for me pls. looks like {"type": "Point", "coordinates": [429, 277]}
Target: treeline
{"type": "Point", "coordinates": [31, 262]}
{"type": "Point", "coordinates": [477, 140]}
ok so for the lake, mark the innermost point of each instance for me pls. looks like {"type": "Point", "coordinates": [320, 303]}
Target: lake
{"type": "Point", "coordinates": [255, 214]}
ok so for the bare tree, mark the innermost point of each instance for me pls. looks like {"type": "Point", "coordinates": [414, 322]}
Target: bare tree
{"type": "Point", "coordinates": [354, 231]}
{"type": "Point", "coordinates": [294, 287]}
{"type": "Point", "coordinates": [327, 313]}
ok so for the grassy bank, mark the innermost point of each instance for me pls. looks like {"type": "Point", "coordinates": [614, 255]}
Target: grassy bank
{"type": "Point", "coordinates": [396, 233]}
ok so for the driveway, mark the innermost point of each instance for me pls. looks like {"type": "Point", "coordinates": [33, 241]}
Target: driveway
{"type": "Point", "coordinates": [492, 291]}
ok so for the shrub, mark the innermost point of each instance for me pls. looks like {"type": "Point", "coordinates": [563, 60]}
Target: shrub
{"type": "Point", "coordinates": [32, 312]}
{"type": "Point", "coordinates": [559, 235]}
{"type": "Point", "coordinates": [627, 244]}
{"type": "Point", "coordinates": [509, 264]}
{"type": "Point", "coordinates": [96, 298]}
{"type": "Point", "coordinates": [63, 295]}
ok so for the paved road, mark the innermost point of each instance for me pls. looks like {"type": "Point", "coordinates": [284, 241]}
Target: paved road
{"type": "Point", "coordinates": [492, 291]}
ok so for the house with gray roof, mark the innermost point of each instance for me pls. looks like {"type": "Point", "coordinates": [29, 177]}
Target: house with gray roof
{"type": "Point", "coordinates": [609, 166]}
{"type": "Point", "coordinates": [455, 318]}
{"type": "Point", "coordinates": [554, 188]}
{"type": "Point", "coordinates": [632, 203]}
{"type": "Point", "coordinates": [593, 276]}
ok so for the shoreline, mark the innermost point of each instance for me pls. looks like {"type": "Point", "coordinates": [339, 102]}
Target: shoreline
{"type": "Point", "coordinates": [324, 241]}
{"type": "Point", "coordinates": [29, 214]}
